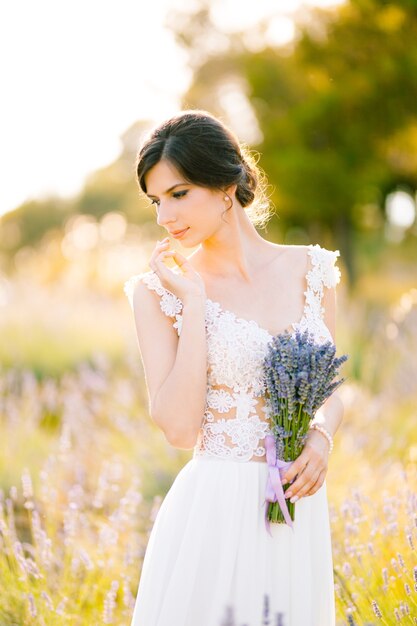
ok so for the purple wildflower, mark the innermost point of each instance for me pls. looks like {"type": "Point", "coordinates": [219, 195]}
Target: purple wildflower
{"type": "Point", "coordinates": [299, 377]}
{"type": "Point", "coordinates": [376, 609]}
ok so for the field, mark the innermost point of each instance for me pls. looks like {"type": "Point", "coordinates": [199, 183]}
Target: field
{"type": "Point", "coordinates": [83, 469]}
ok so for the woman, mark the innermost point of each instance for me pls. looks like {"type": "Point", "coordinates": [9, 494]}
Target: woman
{"type": "Point", "coordinates": [203, 330]}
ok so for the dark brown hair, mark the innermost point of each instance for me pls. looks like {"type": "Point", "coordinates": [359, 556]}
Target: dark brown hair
{"type": "Point", "coordinates": [207, 153]}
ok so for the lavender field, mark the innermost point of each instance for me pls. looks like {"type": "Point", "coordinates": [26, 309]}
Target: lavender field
{"type": "Point", "coordinates": [321, 95]}
{"type": "Point", "coordinates": [83, 469]}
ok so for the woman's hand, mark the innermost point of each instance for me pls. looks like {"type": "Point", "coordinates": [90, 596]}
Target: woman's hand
{"type": "Point", "coordinates": [187, 285]}
{"type": "Point", "coordinates": [310, 467]}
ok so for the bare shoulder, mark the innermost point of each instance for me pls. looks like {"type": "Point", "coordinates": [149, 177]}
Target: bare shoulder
{"type": "Point", "coordinates": [157, 339]}
{"type": "Point", "coordinates": [295, 249]}
{"type": "Point", "coordinates": [314, 254]}
{"type": "Point", "coordinates": [142, 295]}
{"type": "Point", "coordinates": [294, 257]}
{"type": "Point", "coordinates": [302, 259]}
{"type": "Point", "coordinates": [146, 297]}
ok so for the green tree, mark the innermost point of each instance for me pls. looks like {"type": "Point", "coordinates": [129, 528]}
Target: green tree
{"type": "Point", "coordinates": [336, 109]}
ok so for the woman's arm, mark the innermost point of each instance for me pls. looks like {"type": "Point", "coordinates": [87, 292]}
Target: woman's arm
{"type": "Point", "coordinates": [175, 367]}
{"type": "Point", "coordinates": [180, 401]}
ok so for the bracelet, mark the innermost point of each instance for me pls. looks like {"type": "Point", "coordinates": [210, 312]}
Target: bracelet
{"type": "Point", "coordinates": [328, 436]}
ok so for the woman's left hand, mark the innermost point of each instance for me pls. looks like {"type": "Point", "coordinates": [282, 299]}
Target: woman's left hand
{"type": "Point", "coordinates": [311, 467]}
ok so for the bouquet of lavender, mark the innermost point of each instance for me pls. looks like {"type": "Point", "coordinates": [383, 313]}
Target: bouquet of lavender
{"type": "Point", "coordinates": [299, 377]}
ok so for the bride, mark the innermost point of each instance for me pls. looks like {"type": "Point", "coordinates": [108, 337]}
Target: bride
{"type": "Point", "coordinates": [203, 328]}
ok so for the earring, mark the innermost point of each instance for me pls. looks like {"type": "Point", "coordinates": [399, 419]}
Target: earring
{"type": "Point", "coordinates": [225, 198]}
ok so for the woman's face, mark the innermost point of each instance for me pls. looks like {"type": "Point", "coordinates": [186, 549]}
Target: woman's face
{"type": "Point", "coordinates": [181, 205]}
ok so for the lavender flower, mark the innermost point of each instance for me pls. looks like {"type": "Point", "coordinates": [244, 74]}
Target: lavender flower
{"type": "Point", "coordinates": [376, 608]}
{"type": "Point", "coordinates": [299, 376]}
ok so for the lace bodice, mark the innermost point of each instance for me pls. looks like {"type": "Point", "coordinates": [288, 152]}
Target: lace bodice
{"type": "Point", "coordinates": [236, 421]}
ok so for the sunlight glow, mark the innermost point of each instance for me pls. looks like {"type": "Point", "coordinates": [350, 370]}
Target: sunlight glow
{"type": "Point", "coordinates": [239, 113]}
{"type": "Point", "coordinates": [113, 226]}
{"type": "Point", "coordinates": [401, 209]}
{"type": "Point", "coordinates": [79, 74]}
{"type": "Point", "coordinates": [281, 30]}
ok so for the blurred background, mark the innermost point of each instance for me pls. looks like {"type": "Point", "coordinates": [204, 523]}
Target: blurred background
{"type": "Point", "coordinates": [325, 91]}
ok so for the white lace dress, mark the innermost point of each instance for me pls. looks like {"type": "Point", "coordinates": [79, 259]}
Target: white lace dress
{"type": "Point", "coordinates": [209, 548]}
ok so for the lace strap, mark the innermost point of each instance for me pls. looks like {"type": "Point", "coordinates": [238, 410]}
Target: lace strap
{"type": "Point", "coordinates": [322, 273]}
{"type": "Point", "coordinates": [129, 287]}
{"type": "Point", "coordinates": [169, 303]}
{"type": "Point", "coordinates": [324, 269]}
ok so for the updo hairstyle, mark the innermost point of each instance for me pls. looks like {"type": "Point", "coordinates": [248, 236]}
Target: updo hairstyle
{"type": "Point", "coordinates": [207, 153]}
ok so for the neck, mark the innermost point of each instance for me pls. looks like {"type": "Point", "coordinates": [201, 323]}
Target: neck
{"type": "Point", "coordinates": [235, 251]}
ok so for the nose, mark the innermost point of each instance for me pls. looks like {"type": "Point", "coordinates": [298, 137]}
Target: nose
{"type": "Point", "coordinates": [164, 216]}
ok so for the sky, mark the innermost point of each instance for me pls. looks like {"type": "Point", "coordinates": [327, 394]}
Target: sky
{"type": "Point", "coordinates": [75, 75]}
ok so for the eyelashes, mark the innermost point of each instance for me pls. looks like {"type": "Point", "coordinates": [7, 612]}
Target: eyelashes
{"type": "Point", "coordinates": [176, 194]}
{"type": "Point", "coordinates": [180, 194]}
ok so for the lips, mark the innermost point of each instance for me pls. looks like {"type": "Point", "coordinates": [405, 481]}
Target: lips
{"type": "Point", "coordinates": [179, 233]}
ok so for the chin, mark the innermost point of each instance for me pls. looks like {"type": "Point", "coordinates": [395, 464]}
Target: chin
{"type": "Point", "coordinates": [186, 245]}
{"type": "Point", "coordinates": [188, 242]}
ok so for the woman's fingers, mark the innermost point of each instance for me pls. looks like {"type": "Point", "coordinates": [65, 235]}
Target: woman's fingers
{"type": "Point", "coordinates": [181, 260]}
{"type": "Point", "coordinates": [309, 455]}
{"type": "Point", "coordinates": [160, 247]}
{"type": "Point", "coordinates": [319, 482]}
{"type": "Point", "coordinates": [303, 477]}
{"type": "Point", "coordinates": [158, 264]}
{"type": "Point", "coordinates": [305, 481]}
{"type": "Point", "coordinates": [171, 279]}
{"type": "Point", "coordinates": [296, 467]}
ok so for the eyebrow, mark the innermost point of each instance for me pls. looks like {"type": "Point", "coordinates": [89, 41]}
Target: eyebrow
{"type": "Point", "coordinates": [168, 190]}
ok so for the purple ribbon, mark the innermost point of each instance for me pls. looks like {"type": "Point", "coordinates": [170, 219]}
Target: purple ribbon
{"type": "Point", "coordinates": [274, 488]}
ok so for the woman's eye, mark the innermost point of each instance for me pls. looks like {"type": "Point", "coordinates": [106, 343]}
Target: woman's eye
{"type": "Point", "coordinates": [155, 202]}
{"type": "Point", "coordinates": [180, 194]}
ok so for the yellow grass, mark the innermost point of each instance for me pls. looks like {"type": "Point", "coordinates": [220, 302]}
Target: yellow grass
{"type": "Point", "coordinates": [83, 469]}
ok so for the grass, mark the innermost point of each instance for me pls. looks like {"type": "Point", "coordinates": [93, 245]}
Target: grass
{"type": "Point", "coordinates": [74, 524]}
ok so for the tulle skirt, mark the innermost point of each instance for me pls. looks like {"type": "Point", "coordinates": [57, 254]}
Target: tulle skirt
{"type": "Point", "coordinates": [211, 562]}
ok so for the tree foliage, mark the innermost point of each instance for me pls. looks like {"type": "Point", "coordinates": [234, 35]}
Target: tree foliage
{"type": "Point", "coordinates": [335, 116]}
{"type": "Point", "coordinates": [336, 110]}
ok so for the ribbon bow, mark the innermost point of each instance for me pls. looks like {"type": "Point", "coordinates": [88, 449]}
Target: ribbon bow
{"type": "Point", "coordinates": [274, 488]}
